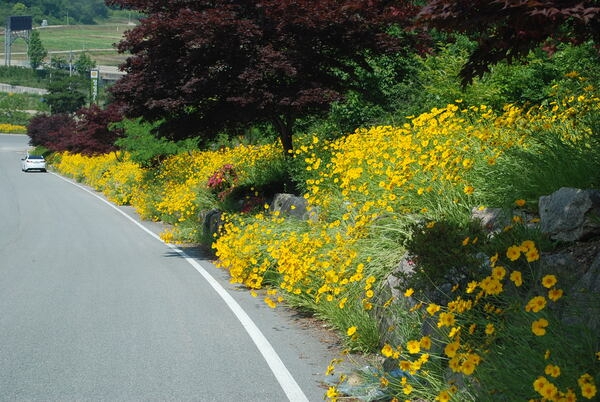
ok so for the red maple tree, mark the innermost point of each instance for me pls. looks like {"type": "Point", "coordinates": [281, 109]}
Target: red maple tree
{"type": "Point", "coordinates": [208, 66]}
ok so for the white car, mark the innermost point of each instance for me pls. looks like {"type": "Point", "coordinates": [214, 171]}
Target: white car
{"type": "Point", "coordinates": [33, 162]}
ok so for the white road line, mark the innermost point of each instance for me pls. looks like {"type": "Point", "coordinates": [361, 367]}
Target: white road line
{"type": "Point", "coordinates": [280, 371]}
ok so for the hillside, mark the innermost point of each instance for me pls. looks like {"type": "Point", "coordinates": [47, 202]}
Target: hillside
{"type": "Point", "coordinates": [65, 41]}
{"type": "Point", "coordinates": [56, 11]}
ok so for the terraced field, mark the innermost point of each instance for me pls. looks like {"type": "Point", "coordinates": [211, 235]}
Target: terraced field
{"type": "Point", "coordinates": [96, 40]}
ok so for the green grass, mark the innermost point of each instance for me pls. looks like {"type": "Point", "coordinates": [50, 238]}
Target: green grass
{"type": "Point", "coordinates": [96, 40]}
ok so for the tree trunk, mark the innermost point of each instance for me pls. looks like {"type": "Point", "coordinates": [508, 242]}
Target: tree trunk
{"type": "Point", "coordinates": [283, 125]}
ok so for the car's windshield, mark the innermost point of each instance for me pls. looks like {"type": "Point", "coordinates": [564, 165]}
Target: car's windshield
{"type": "Point", "coordinates": [35, 157]}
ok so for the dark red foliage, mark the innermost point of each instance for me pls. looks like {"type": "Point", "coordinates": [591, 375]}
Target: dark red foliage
{"type": "Point", "coordinates": [93, 132]}
{"type": "Point", "coordinates": [87, 133]}
{"type": "Point", "coordinates": [47, 130]}
{"type": "Point", "coordinates": [509, 29]}
{"type": "Point", "coordinates": [227, 63]}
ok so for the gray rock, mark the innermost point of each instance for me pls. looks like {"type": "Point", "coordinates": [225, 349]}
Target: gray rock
{"type": "Point", "coordinates": [493, 220]}
{"type": "Point", "coordinates": [584, 299]}
{"type": "Point", "coordinates": [291, 205]}
{"type": "Point", "coordinates": [392, 293]}
{"type": "Point", "coordinates": [211, 222]}
{"type": "Point", "coordinates": [570, 214]}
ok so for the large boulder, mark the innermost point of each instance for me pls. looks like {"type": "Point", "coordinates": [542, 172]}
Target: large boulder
{"type": "Point", "coordinates": [570, 214]}
{"type": "Point", "coordinates": [291, 205]}
{"type": "Point", "coordinates": [578, 268]}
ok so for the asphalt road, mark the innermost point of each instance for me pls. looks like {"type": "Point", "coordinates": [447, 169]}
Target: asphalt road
{"type": "Point", "coordinates": [93, 307]}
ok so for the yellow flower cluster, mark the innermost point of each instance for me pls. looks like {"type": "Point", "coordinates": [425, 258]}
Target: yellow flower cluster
{"type": "Point", "coordinates": [376, 172]}
{"type": "Point", "coordinates": [372, 173]}
{"type": "Point", "coordinates": [315, 264]}
{"type": "Point", "coordinates": [469, 324]}
{"type": "Point", "coordinates": [113, 174]}
{"type": "Point", "coordinates": [184, 175]}
{"type": "Point", "coordinates": [12, 128]}
{"type": "Point", "coordinates": [176, 193]}
{"type": "Point", "coordinates": [390, 169]}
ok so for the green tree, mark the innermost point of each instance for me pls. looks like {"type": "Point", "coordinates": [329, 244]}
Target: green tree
{"type": "Point", "coordinates": [65, 95]}
{"type": "Point", "coordinates": [36, 51]}
{"type": "Point", "coordinates": [509, 30]}
{"type": "Point", "coordinates": [84, 64]}
{"type": "Point", "coordinates": [19, 9]}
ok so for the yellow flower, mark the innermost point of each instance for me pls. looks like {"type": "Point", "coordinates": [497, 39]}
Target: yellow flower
{"type": "Point", "coordinates": [413, 347]}
{"type": "Point", "coordinates": [407, 389]}
{"type": "Point", "coordinates": [555, 294]}
{"type": "Point", "coordinates": [539, 383]}
{"type": "Point", "coordinates": [494, 259]}
{"type": "Point", "coordinates": [451, 349]}
{"type": "Point", "coordinates": [536, 304]}
{"type": "Point", "coordinates": [469, 190]}
{"type": "Point", "coordinates": [468, 367]}
{"type": "Point", "coordinates": [443, 396]}
{"type": "Point", "coordinates": [433, 308]}
{"type": "Point", "coordinates": [549, 281]}
{"type": "Point", "coordinates": [491, 286]}
{"type": "Point", "coordinates": [387, 350]}
{"type": "Point", "coordinates": [552, 370]}
{"type": "Point", "coordinates": [332, 393]}
{"type": "Point", "coordinates": [569, 396]}
{"type": "Point", "coordinates": [489, 329]}
{"type": "Point", "coordinates": [516, 278]}
{"type": "Point", "coordinates": [513, 253]}
{"type": "Point", "coordinates": [538, 327]}
{"type": "Point", "coordinates": [331, 367]}
{"type": "Point", "coordinates": [527, 245]}
{"type": "Point", "coordinates": [352, 330]}
{"type": "Point", "coordinates": [446, 320]}
{"type": "Point", "coordinates": [425, 342]}
{"type": "Point", "coordinates": [532, 255]}
{"type": "Point", "coordinates": [270, 302]}
{"type": "Point", "coordinates": [453, 332]}
{"type": "Point", "coordinates": [545, 388]}
{"type": "Point", "coordinates": [471, 286]}
{"type": "Point", "coordinates": [588, 388]}
{"type": "Point", "coordinates": [520, 202]}
{"type": "Point", "coordinates": [409, 292]}
{"type": "Point", "coordinates": [466, 241]}
{"type": "Point", "coordinates": [454, 364]}
{"type": "Point", "coordinates": [499, 273]}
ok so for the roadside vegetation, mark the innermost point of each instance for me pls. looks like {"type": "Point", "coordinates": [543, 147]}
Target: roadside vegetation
{"type": "Point", "coordinates": [380, 194]}
{"type": "Point", "coordinates": [391, 172]}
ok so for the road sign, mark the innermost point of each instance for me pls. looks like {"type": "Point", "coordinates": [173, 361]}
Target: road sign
{"type": "Point", "coordinates": [94, 75]}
